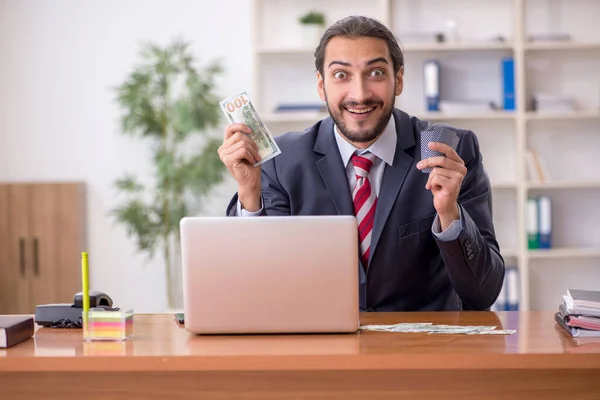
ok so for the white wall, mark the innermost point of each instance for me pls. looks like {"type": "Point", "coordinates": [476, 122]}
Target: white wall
{"type": "Point", "coordinates": [58, 120]}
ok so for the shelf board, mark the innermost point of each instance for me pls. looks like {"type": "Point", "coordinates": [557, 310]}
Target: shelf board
{"type": "Point", "coordinates": [537, 116]}
{"type": "Point", "coordinates": [467, 46]}
{"type": "Point", "coordinates": [574, 252]}
{"type": "Point", "coordinates": [564, 185]}
{"type": "Point", "coordinates": [565, 45]}
{"type": "Point", "coordinates": [410, 47]}
{"type": "Point", "coordinates": [475, 116]}
{"type": "Point", "coordinates": [427, 47]}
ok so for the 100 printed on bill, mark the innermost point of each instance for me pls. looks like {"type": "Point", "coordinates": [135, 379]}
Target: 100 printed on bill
{"type": "Point", "coordinates": [239, 109]}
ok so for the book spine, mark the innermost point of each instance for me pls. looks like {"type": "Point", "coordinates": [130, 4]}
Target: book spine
{"type": "Point", "coordinates": [545, 223]}
{"type": "Point", "coordinates": [532, 223]}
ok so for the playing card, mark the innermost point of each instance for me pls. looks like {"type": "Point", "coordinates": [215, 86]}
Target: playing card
{"type": "Point", "coordinates": [437, 134]}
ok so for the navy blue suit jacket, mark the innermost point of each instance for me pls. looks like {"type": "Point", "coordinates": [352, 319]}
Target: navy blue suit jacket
{"type": "Point", "coordinates": [409, 269]}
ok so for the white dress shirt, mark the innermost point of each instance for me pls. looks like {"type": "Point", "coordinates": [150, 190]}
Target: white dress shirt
{"type": "Point", "coordinates": [384, 148]}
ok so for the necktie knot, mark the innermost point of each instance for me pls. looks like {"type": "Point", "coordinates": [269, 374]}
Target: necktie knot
{"type": "Point", "coordinates": [362, 164]}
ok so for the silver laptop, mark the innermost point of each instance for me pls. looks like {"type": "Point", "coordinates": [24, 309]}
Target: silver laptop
{"type": "Point", "coordinates": [292, 274]}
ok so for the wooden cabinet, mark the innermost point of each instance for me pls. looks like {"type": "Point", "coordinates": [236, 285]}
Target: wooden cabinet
{"type": "Point", "coordinates": [42, 235]}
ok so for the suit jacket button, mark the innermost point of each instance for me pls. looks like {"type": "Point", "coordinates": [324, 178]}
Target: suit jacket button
{"type": "Point", "coordinates": [470, 257]}
{"type": "Point", "coordinates": [468, 243]}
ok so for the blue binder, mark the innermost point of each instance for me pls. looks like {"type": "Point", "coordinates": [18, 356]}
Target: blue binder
{"type": "Point", "coordinates": [508, 74]}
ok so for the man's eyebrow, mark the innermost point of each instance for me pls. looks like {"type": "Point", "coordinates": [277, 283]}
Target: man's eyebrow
{"type": "Point", "coordinates": [347, 64]}
{"type": "Point", "coordinates": [344, 63]}
{"type": "Point", "coordinates": [378, 59]}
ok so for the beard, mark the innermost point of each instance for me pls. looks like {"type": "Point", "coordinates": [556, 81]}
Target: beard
{"type": "Point", "coordinates": [362, 134]}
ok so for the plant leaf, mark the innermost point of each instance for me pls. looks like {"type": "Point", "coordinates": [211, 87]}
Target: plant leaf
{"type": "Point", "coordinates": [129, 184]}
{"type": "Point", "coordinates": [140, 224]}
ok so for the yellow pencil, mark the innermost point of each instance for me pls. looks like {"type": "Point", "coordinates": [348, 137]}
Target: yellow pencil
{"type": "Point", "coordinates": [85, 283]}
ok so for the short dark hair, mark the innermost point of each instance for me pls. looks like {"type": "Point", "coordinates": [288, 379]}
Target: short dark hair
{"type": "Point", "coordinates": [355, 27]}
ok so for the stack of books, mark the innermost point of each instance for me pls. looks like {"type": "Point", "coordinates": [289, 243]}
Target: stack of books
{"type": "Point", "coordinates": [579, 314]}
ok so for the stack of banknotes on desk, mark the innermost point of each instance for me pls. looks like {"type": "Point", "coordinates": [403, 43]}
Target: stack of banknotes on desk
{"type": "Point", "coordinates": [426, 327]}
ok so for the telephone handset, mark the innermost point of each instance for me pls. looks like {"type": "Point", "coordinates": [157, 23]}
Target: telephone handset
{"type": "Point", "coordinates": [69, 315]}
{"type": "Point", "coordinates": [97, 300]}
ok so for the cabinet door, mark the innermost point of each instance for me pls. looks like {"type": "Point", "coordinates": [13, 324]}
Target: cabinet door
{"type": "Point", "coordinates": [44, 227]}
{"type": "Point", "coordinates": [8, 274]}
{"type": "Point", "coordinates": [56, 240]}
{"type": "Point", "coordinates": [20, 299]}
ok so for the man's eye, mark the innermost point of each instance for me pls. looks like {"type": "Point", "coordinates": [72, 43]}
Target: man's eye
{"type": "Point", "coordinates": [377, 73]}
{"type": "Point", "coordinates": [339, 75]}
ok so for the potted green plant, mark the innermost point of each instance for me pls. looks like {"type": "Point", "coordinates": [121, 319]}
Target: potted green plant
{"type": "Point", "coordinates": [313, 26]}
{"type": "Point", "coordinates": [170, 104]}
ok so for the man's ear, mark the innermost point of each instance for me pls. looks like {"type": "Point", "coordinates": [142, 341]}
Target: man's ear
{"type": "Point", "coordinates": [320, 86]}
{"type": "Point", "coordinates": [400, 81]}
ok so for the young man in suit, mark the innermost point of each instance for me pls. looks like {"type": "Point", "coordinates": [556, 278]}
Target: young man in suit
{"type": "Point", "coordinates": [427, 240]}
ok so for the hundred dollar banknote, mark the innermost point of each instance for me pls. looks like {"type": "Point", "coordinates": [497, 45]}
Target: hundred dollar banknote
{"type": "Point", "coordinates": [239, 109]}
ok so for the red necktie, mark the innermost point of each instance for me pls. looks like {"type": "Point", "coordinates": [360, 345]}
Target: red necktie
{"type": "Point", "coordinates": [365, 201]}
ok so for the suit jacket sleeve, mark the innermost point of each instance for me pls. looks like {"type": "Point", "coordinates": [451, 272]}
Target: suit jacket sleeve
{"type": "Point", "coordinates": [274, 197]}
{"type": "Point", "coordinates": [473, 260]}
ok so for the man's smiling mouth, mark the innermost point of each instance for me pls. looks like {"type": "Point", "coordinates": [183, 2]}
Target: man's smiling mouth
{"type": "Point", "coordinates": [360, 111]}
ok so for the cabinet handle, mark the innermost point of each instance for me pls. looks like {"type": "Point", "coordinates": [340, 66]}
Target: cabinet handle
{"type": "Point", "coordinates": [22, 257]}
{"type": "Point", "coordinates": [36, 264]}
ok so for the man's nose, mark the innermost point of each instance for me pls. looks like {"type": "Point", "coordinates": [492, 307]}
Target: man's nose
{"type": "Point", "coordinates": [360, 91]}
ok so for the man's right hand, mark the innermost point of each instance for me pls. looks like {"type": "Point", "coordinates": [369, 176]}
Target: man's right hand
{"type": "Point", "coordinates": [239, 153]}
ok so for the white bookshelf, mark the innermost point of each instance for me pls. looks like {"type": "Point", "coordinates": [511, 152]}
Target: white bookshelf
{"type": "Point", "coordinates": [569, 142]}
{"type": "Point", "coordinates": [491, 115]}
{"type": "Point", "coordinates": [569, 253]}
{"type": "Point", "coordinates": [473, 46]}
{"type": "Point", "coordinates": [558, 46]}
{"type": "Point", "coordinates": [578, 115]}
{"type": "Point", "coordinates": [564, 185]}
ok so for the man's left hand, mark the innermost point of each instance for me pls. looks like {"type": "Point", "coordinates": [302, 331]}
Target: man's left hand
{"type": "Point", "coordinates": [444, 181]}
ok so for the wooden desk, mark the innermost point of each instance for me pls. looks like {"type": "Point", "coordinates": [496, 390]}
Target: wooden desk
{"type": "Point", "coordinates": [164, 361]}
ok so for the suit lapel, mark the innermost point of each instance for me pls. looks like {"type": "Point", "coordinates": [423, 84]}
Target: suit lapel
{"type": "Point", "coordinates": [393, 176]}
{"type": "Point", "coordinates": [332, 169]}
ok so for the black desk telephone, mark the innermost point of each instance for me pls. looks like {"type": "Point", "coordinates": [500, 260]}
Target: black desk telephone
{"type": "Point", "coordinates": [69, 315]}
